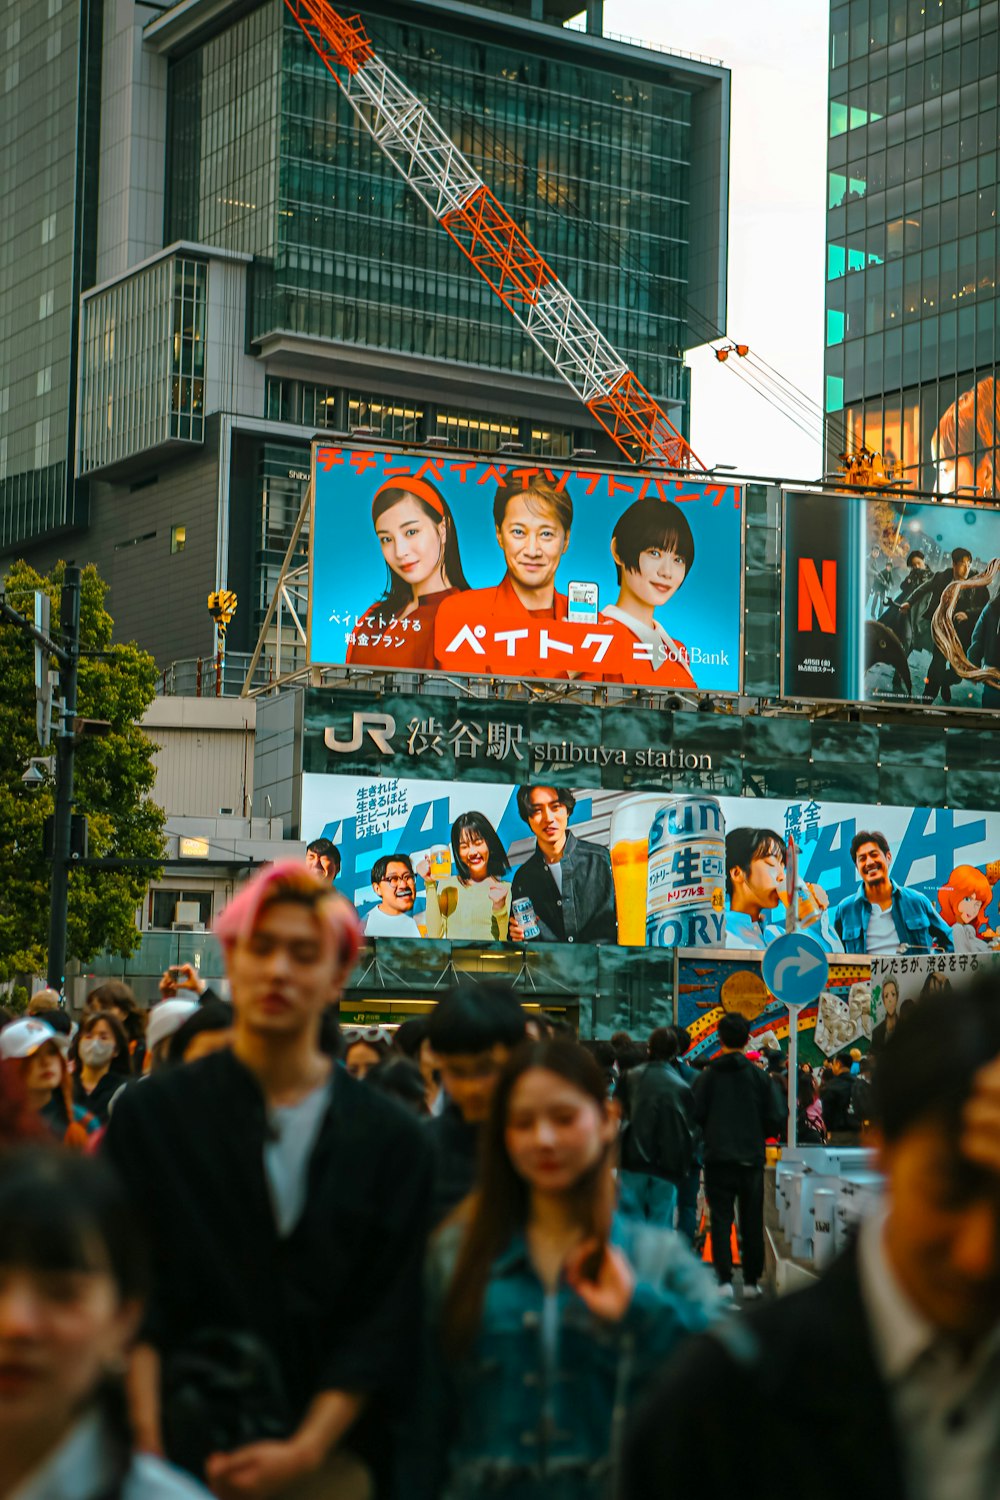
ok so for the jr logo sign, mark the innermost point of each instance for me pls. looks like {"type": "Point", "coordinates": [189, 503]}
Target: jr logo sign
{"type": "Point", "coordinates": [380, 728]}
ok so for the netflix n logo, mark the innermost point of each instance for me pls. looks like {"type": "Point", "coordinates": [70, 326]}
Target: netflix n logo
{"type": "Point", "coordinates": [818, 595]}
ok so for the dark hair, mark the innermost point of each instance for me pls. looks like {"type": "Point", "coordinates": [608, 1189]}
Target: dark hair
{"type": "Point", "coordinates": [563, 793]}
{"type": "Point", "coordinates": [121, 1062]}
{"type": "Point", "coordinates": [116, 992]}
{"type": "Point", "coordinates": [381, 866]}
{"type": "Point", "coordinates": [843, 1058]}
{"type": "Point", "coordinates": [402, 1080]}
{"type": "Point", "coordinates": [958, 553]}
{"type": "Point", "coordinates": [602, 1052]}
{"type": "Point", "coordinates": [60, 1212]}
{"type": "Point", "coordinates": [734, 1030]}
{"type": "Point", "coordinates": [497, 864]}
{"type": "Point", "coordinates": [860, 839]}
{"type": "Point", "coordinates": [379, 1045]}
{"type": "Point", "coordinates": [744, 845]}
{"type": "Point", "coordinates": [57, 1019]}
{"type": "Point", "coordinates": [652, 523]}
{"type": "Point", "coordinates": [866, 1067]}
{"type": "Point", "coordinates": [662, 1044]}
{"type": "Point", "coordinates": [501, 1204]}
{"type": "Point", "coordinates": [631, 1057]}
{"type": "Point", "coordinates": [398, 593]}
{"type": "Point", "coordinates": [542, 489]}
{"type": "Point", "coordinates": [926, 1071]}
{"type": "Point", "coordinates": [410, 1036]}
{"type": "Point", "coordinates": [805, 1089]}
{"type": "Point", "coordinates": [683, 1040]}
{"type": "Point", "coordinates": [326, 849]}
{"type": "Point", "coordinates": [214, 1015]}
{"type": "Point", "coordinates": [913, 556]}
{"type": "Point", "coordinates": [620, 1040]}
{"type": "Point", "coordinates": [475, 1018]}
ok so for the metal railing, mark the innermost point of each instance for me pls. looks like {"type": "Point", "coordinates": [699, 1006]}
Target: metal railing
{"type": "Point", "coordinates": [198, 676]}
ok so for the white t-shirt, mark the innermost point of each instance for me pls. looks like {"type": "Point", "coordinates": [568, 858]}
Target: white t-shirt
{"type": "Point", "coordinates": [83, 1464]}
{"type": "Point", "coordinates": [882, 935]}
{"type": "Point", "coordinates": [555, 870]}
{"type": "Point", "coordinates": [379, 923]}
{"type": "Point", "coordinates": [294, 1128]}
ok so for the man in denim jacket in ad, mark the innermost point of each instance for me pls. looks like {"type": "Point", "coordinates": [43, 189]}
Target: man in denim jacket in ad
{"type": "Point", "coordinates": [884, 917]}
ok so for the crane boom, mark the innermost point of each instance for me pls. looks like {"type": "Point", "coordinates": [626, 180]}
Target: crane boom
{"type": "Point", "coordinates": [460, 201]}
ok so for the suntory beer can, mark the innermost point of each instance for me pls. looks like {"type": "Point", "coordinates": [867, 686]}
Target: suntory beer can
{"type": "Point", "coordinates": [523, 910]}
{"type": "Point", "coordinates": [686, 885]}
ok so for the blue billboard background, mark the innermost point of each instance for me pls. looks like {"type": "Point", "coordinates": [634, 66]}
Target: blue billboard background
{"type": "Point", "coordinates": [349, 573]}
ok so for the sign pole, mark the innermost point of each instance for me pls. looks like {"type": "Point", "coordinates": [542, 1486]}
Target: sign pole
{"type": "Point", "coordinates": [791, 924]}
{"type": "Point", "coordinates": [795, 969]}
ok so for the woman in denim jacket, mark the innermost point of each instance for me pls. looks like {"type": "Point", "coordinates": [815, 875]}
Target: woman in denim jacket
{"type": "Point", "coordinates": [548, 1311]}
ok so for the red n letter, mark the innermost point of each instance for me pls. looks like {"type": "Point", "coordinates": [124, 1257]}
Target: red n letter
{"type": "Point", "coordinates": [818, 598]}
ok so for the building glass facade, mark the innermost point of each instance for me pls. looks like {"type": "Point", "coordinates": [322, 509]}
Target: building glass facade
{"type": "Point", "coordinates": [594, 162]}
{"type": "Point", "coordinates": [143, 366]}
{"type": "Point", "coordinates": [911, 295]}
{"type": "Point", "coordinates": [49, 119]}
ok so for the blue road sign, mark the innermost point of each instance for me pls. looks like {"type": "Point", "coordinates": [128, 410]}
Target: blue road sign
{"type": "Point", "coordinates": [795, 969]}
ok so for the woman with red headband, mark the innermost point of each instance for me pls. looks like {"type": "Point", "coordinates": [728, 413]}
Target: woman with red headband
{"type": "Point", "coordinates": [416, 532]}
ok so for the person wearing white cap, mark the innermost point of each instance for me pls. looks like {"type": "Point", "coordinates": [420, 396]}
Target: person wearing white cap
{"type": "Point", "coordinates": [165, 1020]}
{"type": "Point", "coordinates": [37, 1054]}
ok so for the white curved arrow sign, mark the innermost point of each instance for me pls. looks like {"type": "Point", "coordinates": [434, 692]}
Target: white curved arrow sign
{"type": "Point", "coordinates": [796, 964]}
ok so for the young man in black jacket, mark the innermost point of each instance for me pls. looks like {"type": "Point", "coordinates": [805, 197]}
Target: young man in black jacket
{"type": "Point", "coordinates": [835, 1097]}
{"type": "Point", "coordinates": [895, 1351]}
{"type": "Point", "coordinates": [737, 1107]}
{"type": "Point", "coordinates": [471, 1033]}
{"type": "Point", "coordinates": [284, 1201]}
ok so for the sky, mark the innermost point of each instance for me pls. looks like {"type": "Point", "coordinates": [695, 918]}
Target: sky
{"type": "Point", "coordinates": [777, 53]}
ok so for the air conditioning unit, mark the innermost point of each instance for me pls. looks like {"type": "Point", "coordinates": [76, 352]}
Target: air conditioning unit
{"type": "Point", "coordinates": [187, 913]}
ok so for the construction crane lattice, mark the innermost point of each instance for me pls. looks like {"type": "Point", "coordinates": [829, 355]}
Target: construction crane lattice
{"type": "Point", "coordinates": [460, 201]}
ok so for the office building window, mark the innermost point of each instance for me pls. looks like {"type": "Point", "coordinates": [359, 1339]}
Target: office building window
{"type": "Point", "coordinates": [178, 538]}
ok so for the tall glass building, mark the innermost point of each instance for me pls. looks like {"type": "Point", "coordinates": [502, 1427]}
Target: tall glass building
{"type": "Point", "coordinates": [258, 270]}
{"type": "Point", "coordinates": [911, 293]}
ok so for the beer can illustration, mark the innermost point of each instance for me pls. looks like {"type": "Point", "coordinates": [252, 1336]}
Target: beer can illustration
{"type": "Point", "coordinates": [524, 913]}
{"type": "Point", "coordinates": [686, 885]}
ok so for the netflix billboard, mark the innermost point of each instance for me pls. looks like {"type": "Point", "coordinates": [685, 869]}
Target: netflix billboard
{"type": "Point", "coordinates": [888, 600]}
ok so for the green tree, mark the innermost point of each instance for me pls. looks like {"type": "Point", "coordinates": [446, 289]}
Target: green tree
{"type": "Point", "coordinates": [113, 780]}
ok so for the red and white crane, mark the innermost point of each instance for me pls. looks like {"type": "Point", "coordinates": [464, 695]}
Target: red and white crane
{"type": "Point", "coordinates": [484, 231]}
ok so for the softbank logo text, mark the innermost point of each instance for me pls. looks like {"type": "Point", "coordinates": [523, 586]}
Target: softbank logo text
{"type": "Point", "coordinates": [818, 595]}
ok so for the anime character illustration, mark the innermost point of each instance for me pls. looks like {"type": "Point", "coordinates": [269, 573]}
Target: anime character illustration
{"type": "Point", "coordinates": [963, 902]}
{"type": "Point", "coordinates": [964, 447]}
{"type": "Point", "coordinates": [474, 902]}
{"type": "Point", "coordinates": [653, 551]}
{"type": "Point", "coordinates": [416, 531]}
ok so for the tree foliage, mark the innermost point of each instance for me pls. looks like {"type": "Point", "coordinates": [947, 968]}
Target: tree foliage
{"type": "Point", "coordinates": [114, 777]}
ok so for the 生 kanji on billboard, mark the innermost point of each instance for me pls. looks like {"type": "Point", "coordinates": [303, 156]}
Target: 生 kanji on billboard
{"type": "Point", "coordinates": [514, 567]}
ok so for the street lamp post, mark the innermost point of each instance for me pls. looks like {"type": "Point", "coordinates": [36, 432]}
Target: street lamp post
{"type": "Point", "coordinates": [69, 662]}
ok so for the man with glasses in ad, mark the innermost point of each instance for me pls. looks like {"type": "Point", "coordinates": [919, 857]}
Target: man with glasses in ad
{"type": "Point", "coordinates": [395, 884]}
{"type": "Point", "coordinates": [567, 881]}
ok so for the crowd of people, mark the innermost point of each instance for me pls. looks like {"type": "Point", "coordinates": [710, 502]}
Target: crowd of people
{"type": "Point", "coordinates": [245, 1251]}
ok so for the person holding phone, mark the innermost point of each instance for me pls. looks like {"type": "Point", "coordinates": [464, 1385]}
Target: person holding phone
{"type": "Point", "coordinates": [548, 1312]}
{"type": "Point", "coordinates": [416, 531]}
{"type": "Point", "coordinates": [475, 901]}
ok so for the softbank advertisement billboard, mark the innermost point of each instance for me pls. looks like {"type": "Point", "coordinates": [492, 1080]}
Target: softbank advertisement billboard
{"type": "Point", "coordinates": [539, 858]}
{"type": "Point", "coordinates": [889, 601]}
{"type": "Point", "coordinates": [523, 568]}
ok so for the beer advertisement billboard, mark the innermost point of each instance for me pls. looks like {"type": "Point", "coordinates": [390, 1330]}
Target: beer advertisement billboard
{"type": "Point", "coordinates": [524, 568]}
{"type": "Point", "coordinates": [539, 858]}
{"type": "Point", "coordinates": [887, 600]}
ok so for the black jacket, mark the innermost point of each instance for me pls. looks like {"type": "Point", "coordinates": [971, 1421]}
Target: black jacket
{"type": "Point", "coordinates": [737, 1107]}
{"type": "Point", "coordinates": [455, 1161]}
{"type": "Point", "coordinates": [585, 910]}
{"type": "Point", "coordinates": [338, 1300]}
{"type": "Point", "coordinates": [835, 1097]}
{"type": "Point", "coordinates": [660, 1133]}
{"type": "Point", "coordinates": [801, 1366]}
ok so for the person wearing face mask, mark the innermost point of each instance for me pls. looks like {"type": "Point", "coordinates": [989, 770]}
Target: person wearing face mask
{"type": "Point", "coordinates": [35, 1054]}
{"type": "Point", "coordinates": [101, 1058]}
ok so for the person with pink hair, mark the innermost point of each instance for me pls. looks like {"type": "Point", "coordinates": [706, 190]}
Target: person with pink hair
{"type": "Point", "coordinates": [963, 902]}
{"type": "Point", "coordinates": [270, 1182]}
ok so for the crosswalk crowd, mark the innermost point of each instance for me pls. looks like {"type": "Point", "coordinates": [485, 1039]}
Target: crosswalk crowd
{"type": "Point", "coordinates": [247, 1252]}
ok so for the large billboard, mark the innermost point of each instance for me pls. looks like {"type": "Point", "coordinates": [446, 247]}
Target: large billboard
{"type": "Point", "coordinates": [887, 600]}
{"type": "Point", "coordinates": [538, 857]}
{"type": "Point", "coordinates": [523, 568]}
